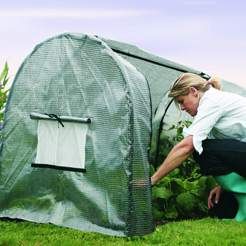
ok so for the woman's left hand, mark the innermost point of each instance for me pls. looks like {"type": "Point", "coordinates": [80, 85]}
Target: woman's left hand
{"type": "Point", "coordinates": [215, 192]}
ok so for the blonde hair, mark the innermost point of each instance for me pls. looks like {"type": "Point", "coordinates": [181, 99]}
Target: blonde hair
{"type": "Point", "coordinates": [186, 80]}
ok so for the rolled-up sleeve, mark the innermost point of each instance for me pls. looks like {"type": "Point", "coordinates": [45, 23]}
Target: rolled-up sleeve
{"type": "Point", "coordinates": [209, 112]}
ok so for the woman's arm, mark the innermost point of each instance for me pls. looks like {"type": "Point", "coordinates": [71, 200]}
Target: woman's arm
{"type": "Point", "coordinates": [176, 157]}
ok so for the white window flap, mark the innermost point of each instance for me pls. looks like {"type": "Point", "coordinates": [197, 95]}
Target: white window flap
{"type": "Point", "coordinates": [59, 146]}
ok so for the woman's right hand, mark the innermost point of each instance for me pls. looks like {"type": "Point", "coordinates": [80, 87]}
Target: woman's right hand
{"type": "Point", "coordinates": [153, 181]}
{"type": "Point", "coordinates": [215, 192]}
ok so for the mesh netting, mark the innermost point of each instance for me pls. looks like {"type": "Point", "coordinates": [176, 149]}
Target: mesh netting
{"type": "Point", "coordinates": [74, 75]}
{"type": "Point", "coordinates": [79, 76]}
{"type": "Point", "coordinates": [160, 74]}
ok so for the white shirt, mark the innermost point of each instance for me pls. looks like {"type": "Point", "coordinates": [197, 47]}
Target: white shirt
{"type": "Point", "coordinates": [220, 115]}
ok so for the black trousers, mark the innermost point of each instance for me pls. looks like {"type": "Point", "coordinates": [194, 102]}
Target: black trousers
{"type": "Point", "coordinates": [222, 156]}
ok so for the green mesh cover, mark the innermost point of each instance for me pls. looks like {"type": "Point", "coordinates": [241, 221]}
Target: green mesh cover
{"type": "Point", "coordinates": [76, 75]}
{"type": "Point", "coordinates": [160, 74]}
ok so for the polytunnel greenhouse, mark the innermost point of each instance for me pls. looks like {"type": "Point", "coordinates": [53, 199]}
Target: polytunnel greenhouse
{"type": "Point", "coordinates": [83, 121]}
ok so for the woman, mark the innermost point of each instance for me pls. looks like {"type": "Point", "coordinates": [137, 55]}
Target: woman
{"type": "Point", "coordinates": [217, 136]}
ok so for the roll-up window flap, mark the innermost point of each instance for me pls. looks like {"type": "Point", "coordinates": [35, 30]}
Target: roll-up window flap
{"type": "Point", "coordinates": [61, 147]}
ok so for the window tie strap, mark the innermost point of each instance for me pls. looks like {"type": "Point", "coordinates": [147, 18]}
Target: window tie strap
{"type": "Point", "coordinates": [57, 117]}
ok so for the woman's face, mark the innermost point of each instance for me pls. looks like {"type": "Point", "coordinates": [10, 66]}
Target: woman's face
{"type": "Point", "coordinates": [189, 102]}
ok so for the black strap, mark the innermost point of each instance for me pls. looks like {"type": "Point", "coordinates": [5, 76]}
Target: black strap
{"type": "Point", "coordinates": [57, 117]}
{"type": "Point", "coordinates": [64, 168]}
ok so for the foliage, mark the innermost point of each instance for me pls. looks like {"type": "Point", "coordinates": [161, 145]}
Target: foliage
{"type": "Point", "coordinates": [3, 93]}
{"type": "Point", "coordinates": [182, 193]}
{"type": "Point", "coordinates": [186, 202]}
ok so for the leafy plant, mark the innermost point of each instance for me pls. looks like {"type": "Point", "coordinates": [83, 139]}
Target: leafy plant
{"type": "Point", "coordinates": [182, 193]}
{"type": "Point", "coordinates": [3, 93]}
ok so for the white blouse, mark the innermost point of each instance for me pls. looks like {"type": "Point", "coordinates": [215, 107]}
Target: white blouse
{"type": "Point", "coordinates": [220, 115]}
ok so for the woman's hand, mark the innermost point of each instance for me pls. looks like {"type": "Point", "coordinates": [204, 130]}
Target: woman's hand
{"type": "Point", "coordinates": [215, 192]}
{"type": "Point", "coordinates": [153, 181]}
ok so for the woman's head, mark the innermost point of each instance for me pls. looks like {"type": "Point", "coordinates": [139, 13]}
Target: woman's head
{"type": "Point", "coordinates": [186, 80]}
{"type": "Point", "coordinates": [188, 89]}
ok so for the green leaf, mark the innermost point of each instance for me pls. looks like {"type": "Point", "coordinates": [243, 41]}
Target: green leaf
{"type": "Point", "coordinates": [5, 81]}
{"type": "Point", "coordinates": [191, 185]}
{"type": "Point", "coordinates": [163, 182]}
{"type": "Point", "coordinates": [163, 193]}
{"type": "Point", "coordinates": [152, 170]}
{"type": "Point", "coordinates": [5, 72]}
{"type": "Point", "coordinates": [174, 173]}
{"type": "Point", "coordinates": [203, 195]}
{"type": "Point", "coordinates": [187, 123]}
{"type": "Point", "coordinates": [202, 207]}
{"type": "Point", "coordinates": [171, 212]}
{"type": "Point", "coordinates": [202, 182]}
{"type": "Point", "coordinates": [179, 130]}
{"type": "Point", "coordinates": [211, 183]}
{"type": "Point", "coordinates": [186, 202]}
{"type": "Point", "coordinates": [171, 128]}
{"type": "Point", "coordinates": [157, 213]}
{"type": "Point", "coordinates": [177, 185]}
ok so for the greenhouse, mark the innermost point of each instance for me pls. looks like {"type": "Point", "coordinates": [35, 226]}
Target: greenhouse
{"type": "Point", "coordinates": [84, 119]}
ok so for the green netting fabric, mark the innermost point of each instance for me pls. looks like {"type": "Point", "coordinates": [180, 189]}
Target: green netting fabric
{"type": "Point", "coordinates": [160, 74]}
{"type": "Point", "coordinates": [79, 76]}
{"type": "Point", "coordinates": [120, 92]}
